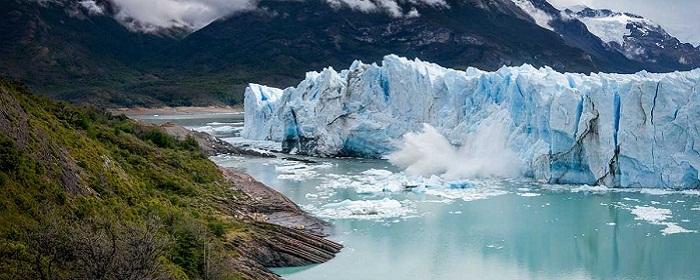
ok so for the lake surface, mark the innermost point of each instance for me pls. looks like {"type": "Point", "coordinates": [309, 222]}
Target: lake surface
{"type": "Point", "coordinates": [395, 226]}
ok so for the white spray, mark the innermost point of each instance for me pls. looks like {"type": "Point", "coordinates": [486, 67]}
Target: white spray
{"type": "Point", "coordinates": [484, 153]}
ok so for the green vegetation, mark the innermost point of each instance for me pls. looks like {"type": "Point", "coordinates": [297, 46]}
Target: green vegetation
{"type": "Point", "coordinates": [88, 195]}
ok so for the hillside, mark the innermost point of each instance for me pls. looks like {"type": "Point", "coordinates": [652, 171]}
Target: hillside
{"type": "Point", "coordinates": [88, 195]}
{"type": "Point", "coordinates": [65, 50]}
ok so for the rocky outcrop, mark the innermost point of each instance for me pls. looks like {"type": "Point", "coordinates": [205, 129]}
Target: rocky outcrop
{"type": "Point", "coordinates": [273, 207]}
{"type": "Point", "coordinates": [286, 235]}
{"type": "Point", "coordinates": [209, 144]}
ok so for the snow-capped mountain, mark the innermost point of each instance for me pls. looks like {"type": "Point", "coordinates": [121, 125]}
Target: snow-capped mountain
{"type": "Point", "coordinates": [620, 130]}
{"type": "Point", "coordinates": [94, 52]}
{"type": "Point", "coordinates": [637, 38]}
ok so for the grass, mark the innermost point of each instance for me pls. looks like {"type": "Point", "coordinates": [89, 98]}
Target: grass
{"type": "Point", "coordinates": [64, 167]}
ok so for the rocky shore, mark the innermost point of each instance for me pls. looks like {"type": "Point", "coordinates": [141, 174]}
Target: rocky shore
{"type": "Point", "coordinates": [288, 236]}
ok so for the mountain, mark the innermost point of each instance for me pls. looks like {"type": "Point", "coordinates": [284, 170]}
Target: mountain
{"type": "Point", "coordinates": [71, 52]}
{"type": "Point", "coordinates": [622, 38]}
{"type": "Point", "coordinates": [639, 39]}
{"type": "Point", "coordinates": [89, 195]}
{"type": "Point", "coordinates": [78, 53]}
{"type": "Point", "coordinates": [576, 33]}
{"type": "Point", "coordinates": [617, 130]}
{"type": "Point", "coordinates": [284, 39]}
{"type": "Point", "coordinates": [89, 52]}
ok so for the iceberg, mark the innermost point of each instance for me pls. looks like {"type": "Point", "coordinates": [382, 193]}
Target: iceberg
{"type": "Point", "coordinates": [615, 130]}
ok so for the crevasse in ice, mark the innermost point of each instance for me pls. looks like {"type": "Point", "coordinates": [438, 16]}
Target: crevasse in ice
{"type": "Point", "coordinates": [638, 130]}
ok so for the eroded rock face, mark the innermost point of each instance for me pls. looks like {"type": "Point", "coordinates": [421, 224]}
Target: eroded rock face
{"type": "Point", "coordinates": [285, 236]}
{"type": "Point", "coordinates": [273, 207]}
{"type": "Point", "coordinates": [636, 130]}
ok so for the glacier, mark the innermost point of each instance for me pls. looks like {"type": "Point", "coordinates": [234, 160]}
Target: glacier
{"type": "Point", "coordinates": [617, 130]}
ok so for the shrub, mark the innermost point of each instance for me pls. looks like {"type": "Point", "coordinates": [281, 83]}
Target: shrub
{"type": "Point", "coordinates": [159, 138]}
{"type": "Point", "coordinates": [9, 155]}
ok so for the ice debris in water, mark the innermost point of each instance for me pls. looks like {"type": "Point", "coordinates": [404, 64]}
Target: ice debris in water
{"type": "Point", "coordinates": [632, 130]}
{"type": "Point", "coordinates": [218, 130]}
{"type": "Point", "coordinates": [658, 216]}
{"type": "Point", "coordinates": [376, 181]}
{"type": "Point", "coordinates": [529, 194]}
{"type": "Point", "coordinates": [297, 171]}
{"type": "Point", "coordinates": [363, 210]}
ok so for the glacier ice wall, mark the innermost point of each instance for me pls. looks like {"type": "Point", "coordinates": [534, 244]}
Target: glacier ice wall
{"type": "Point", "coordinates": [637, 130]}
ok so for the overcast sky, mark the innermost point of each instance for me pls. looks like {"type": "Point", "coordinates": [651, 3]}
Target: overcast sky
{"type": "Point", "coordinates": [681, 18]}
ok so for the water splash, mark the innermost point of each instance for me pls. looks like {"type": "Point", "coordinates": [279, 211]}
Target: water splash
{"type": "Point", "coordinates": [485, 153]}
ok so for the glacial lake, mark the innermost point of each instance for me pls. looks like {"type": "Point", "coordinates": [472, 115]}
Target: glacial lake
{"type": "Point", "coordinates": [395, 226]}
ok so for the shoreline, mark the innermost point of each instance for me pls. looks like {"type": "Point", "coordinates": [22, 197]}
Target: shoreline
{"type": "Point", "coordinates": [289, 237]}
{"type": "Point", "coordinates": [180, 110]}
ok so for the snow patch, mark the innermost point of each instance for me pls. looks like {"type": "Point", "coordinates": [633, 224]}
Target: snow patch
{"type": "Point", "coordinates": [541, 17]}
{"type": "Point", "coordinates": [92, 7]}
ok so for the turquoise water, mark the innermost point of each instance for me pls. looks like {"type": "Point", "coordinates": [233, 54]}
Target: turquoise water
{"type": "Point", "coordinates": [400, 227]}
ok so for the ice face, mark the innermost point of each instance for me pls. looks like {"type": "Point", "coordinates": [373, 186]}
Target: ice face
{"type": "Point", "coordinates": [617, 130]}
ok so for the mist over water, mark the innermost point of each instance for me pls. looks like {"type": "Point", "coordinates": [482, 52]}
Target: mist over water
{"type": "Point", "coordinates": [484, 153]}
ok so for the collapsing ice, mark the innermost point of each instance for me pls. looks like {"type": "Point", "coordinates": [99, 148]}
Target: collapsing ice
{"type": "Point", "coordinates": [637, 130]}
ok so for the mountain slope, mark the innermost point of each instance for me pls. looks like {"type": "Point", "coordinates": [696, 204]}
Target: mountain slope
{"type": "Point", "coordinates": [640, 39]}
{"type": "Point", "coordinates": [622, 40]}
{"type": "Point", "coordinates": [51, 43]}
{"type": "Point", "coordinates": [88, 195]}
{"type": "Point", "coordinates": [575, 33]}
{"type": "Point", "coordinates": [82, 53]}
{"type": "Point", "coordinates": [283, 39]}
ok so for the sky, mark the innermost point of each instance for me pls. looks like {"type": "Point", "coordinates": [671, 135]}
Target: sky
{"type": "Point", "coordinates": [680, 18]}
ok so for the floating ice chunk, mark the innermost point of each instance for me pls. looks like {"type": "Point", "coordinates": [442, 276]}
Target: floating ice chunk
{"type": "Point", "coordinates": [470, 194]}
{"type": "Point", "coordinates": [218, 130]}
{"type": "Point", "coordinates": [590, 189]}
{"type": "Point", "coordinates": [672, 228]}
{"type": "Point", "coordinates": [460, 184]}
{"type": "Point", "coordinates": [529, 194]}
{"type": "Point", "coordinates": [658, 216]}
{"type": "Point", "coordinates": [651, 214]}
{"type": "Point", "coordinates": [364, 210]}
{"type": "Point", "coordinates": [377, 172]}
{"type": "Point", "coordinates": [296, 171]}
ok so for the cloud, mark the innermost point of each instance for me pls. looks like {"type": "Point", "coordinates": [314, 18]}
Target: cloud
{"type": "Point", "coordinates": [679, 17]}
{"type": "Point", "coordinates": [152, 15]}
